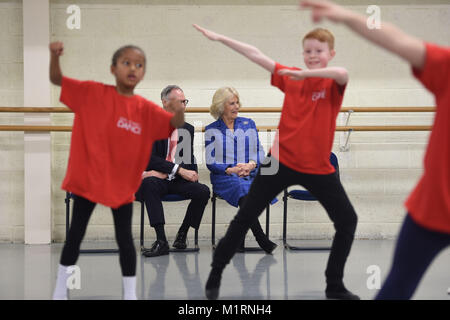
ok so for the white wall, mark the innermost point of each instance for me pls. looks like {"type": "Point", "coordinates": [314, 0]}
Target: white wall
{"type": "Point", "coordinates": [11, 143]}
{"type": "Point", "coordinates": [378, 171]}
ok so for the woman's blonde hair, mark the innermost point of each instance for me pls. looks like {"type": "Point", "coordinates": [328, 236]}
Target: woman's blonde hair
{"type": "Point", "coordinates": [220, 97]}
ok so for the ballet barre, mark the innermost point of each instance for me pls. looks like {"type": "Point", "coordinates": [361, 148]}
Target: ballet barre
{"type": "Point", "coordinates": [242, 110]}
{"type": "Point", "coordinates": [28, 128]}
{"type": "Point", "coordinates": [348, 129]}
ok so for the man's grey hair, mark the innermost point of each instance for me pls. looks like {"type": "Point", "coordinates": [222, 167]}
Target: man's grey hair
{"type": "Point", "coordinates": [167, 90]}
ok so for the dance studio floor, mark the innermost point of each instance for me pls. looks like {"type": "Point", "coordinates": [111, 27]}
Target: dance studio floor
{"type": "Point", "coordinates": [29, 272]}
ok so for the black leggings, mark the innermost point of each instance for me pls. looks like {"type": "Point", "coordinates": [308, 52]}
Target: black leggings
{"type": "Point", "coordinates": [415, 250]}
{"type": "Point", "coordinates": [82, 210]}
{"type": "Point", "coordinates": [328, 191]}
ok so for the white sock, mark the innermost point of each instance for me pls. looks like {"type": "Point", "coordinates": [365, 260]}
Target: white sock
{"type": "Point", "coordinates": [129, 288]}
{"type": "Point", "coordinates": [60, 292]}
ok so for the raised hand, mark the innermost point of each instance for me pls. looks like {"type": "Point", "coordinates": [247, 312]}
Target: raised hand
{"type": "Point", "coordinates": [325, 9]}
{"type": "Point", "coordinates": [56, 48]}
{"type": "Point", "coordinates": [207, 33]}
{"type": "Point", "coordinates": [250, 52]}
{"type": "Point", "coordinates": [389, 36]}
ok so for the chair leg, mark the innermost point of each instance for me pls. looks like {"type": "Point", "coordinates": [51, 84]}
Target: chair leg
{"type": "Point", "coordinates": [67, 201]}
{"type": "Point", "coordinates": [196, 238]}
{"type": "Point", "coordinates": [142, 225]}
{"type": "Point", "coordinates": [284, 216]}
{"type": "Point", "coordinates": [287, 245]}
{"type": "Point", "coordinates": [213, 222]}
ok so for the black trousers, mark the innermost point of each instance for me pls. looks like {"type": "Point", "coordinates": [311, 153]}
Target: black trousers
{"type": "Point", "coordinates": [153, 189]}
{"type": "Point", "coordinates": [415, 250]}
{"type": "Point", "coordinates": [326, 188]}
{"type": "Point", "coordinates": [82, 211]}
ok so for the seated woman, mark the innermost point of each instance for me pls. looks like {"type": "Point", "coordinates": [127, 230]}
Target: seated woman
{"type": "Point", "coordinates": [233, 155]}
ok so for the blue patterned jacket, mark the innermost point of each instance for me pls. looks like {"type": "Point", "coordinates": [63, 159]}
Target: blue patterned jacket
{"type": "Point", "coordinates": [225, 148]}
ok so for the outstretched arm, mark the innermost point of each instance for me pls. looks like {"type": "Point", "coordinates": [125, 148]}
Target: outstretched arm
{"type": "Point", "coordinates": [388, 36]}
{"type": "Point", "coordinates": [340, 75]}
{"type": "Point", "coordinates": [249, 51]}
{"type": "Point", "coordinates": [56, 50]}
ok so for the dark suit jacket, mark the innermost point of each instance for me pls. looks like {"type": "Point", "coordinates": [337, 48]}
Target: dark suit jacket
{"type": "Point", "coordinates": [158, 160]}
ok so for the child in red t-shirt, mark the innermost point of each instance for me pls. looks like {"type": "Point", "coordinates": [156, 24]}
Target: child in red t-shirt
{"type": "Point", "coordinates": [426, 229]}
{"type": "Point", "coordinates": [112, 137]}
{"type": "Point", "coordinates": [301, 150]}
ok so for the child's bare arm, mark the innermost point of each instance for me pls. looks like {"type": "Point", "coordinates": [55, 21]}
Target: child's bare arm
{"type": "Point", "coordinates": [56, 50]}
{"type": "Point", "coordinates": [340, 75]}
{"type": "Point", "coordinates": [249, 51]}
{"type": "Point", "coordinates": [389, 36]}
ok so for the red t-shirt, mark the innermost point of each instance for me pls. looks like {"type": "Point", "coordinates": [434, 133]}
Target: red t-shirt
{"type": "Point", "coordinates": [429, 203]}
{"type": "Point", "coordinates": [308, 120]}
{"type": "Point", "coordinates": [112, 139]}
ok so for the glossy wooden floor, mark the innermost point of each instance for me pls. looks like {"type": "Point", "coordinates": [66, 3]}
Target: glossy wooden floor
{"type": "Point", "coordinates": [29, 272]}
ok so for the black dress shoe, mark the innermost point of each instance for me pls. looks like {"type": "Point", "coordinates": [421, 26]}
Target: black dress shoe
{"type": "Point", "coordinates": [180, 240]}
{"type": "Point", "coordinates": [341, 295]}
{"type": "Point", "coordinates": [159, 248]}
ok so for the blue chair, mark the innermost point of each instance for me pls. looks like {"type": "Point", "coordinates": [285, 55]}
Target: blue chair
{"type": "Point", "coordinates": [303, 195]}
{"type": "Point", "coordinates": [213, 223]}
{"type": "Point", "coordinates": [166, 198]}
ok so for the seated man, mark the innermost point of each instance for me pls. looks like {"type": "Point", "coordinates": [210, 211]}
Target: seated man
{"type": "Point", "coordinates": [172, 170]}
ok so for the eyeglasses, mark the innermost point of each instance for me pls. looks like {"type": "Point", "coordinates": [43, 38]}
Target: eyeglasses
{"type": "Point", "coordinates": [185, 101]}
